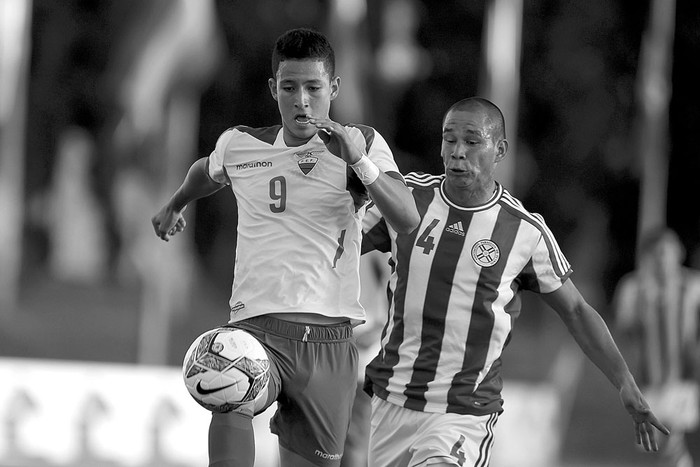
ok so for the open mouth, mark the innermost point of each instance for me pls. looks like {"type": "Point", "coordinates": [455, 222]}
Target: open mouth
{"type": "Point", "coordinates": [302, 119]}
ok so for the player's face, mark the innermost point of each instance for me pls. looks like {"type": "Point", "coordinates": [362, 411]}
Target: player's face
{"type": "Point", "coordinates": [469, 152]}
{"type": "Point", "coordinates": [302, 89]}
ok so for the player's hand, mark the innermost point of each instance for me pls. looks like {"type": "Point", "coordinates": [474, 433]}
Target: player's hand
{"type": "Point", "coordinates": [336, 139]}
{"type": "Point", "coordinates": [168, 222]}
{"type": "Point", "coordinates": [645, 421]}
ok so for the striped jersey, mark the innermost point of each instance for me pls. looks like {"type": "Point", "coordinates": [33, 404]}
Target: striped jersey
{"type": "Point", "coordinates": [299, 225]}
{"type": "Point", "coordinates": [665, 319]}
{"type": "Point", "coordinates": [454, 296]}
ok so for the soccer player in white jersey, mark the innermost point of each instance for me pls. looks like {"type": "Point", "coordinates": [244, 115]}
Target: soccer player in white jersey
{"type": "Point", "coordinates": [296, 279]}
{"type": "Point", "coordinates": [454, 297]}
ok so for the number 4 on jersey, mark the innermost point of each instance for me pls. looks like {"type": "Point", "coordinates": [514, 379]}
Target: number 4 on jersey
{"type": "Point", "coordinates": [427, 241]}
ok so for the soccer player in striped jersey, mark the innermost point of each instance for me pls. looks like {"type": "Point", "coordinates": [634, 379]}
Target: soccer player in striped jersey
{"type": "Point", "coordinates": [454, 297]}
{"type": "Point", "coordinates": [657, 307]}
{"type": "Point", "coordinates": [300, 191]}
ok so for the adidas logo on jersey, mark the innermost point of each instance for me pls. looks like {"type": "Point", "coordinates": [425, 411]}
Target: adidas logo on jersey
{"type": "Point", "coordinates": [455, 228]}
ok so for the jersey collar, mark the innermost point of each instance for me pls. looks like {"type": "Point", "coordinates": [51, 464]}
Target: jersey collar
{"type": "Point", "coordinates": [491, 202]}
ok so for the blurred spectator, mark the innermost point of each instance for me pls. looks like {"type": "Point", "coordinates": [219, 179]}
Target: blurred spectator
{"type": "Point", "coordinates": [657, 307]}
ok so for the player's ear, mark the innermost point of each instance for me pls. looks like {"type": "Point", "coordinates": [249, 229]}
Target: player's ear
{"type": "Point", "coordinates": [501, 150]}
{"type": "Point", "coordinates": [272, 84]}
{"type": "Point", "coordinates": [335, 87]}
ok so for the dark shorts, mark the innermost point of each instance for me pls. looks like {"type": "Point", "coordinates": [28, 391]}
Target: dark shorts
{"type": "Point", "coordinates": [313, 376]}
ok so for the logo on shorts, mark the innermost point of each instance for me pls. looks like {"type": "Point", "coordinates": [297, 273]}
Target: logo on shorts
{"type": "Point", "coordinates": [325, 455]}
{"type": "Point", "coordinates": [485, 253]}
{"type": "Point", "coordinates": [238, 306]}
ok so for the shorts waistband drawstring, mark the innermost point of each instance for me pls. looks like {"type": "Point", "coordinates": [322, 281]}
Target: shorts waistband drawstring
{"type": "Point", "coordinates": [305, 332]}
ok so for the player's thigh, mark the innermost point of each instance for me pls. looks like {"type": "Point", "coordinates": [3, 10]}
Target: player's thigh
{"type": "Point", "coordinates": [391, 433]}
{"type": "Point", "coordinates": [314, 411]}
{"type": "Point", "coordinates": [455, 440]}
{"type": "Point", "coordinates": [406, 438]}
{"type": "Point", "coordinates": [291, 459]}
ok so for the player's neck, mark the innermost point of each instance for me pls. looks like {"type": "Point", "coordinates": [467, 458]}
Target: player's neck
{"type": "Point", "coordinates": [471, 196]}
{"type": "Point", "coordinates": [292, 140]}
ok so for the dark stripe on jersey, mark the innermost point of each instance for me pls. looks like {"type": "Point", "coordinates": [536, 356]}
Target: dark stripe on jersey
{"type": "Point", "coordinates": [376, 238]}
{"type": "Point", "coordinates": [439, 287]}
{"type": "Point", "coordinates": [482, 319]}
{"type": "Point", "coordinates": [404, 248]}
{"type": "Point", "coordinates": [265, 134]}
{"type": "Point", "coordinates": [528, 278]}
{"type": "Point", "coordinates": [367, 132]}
{"type": "Point", "coordinates": [515, 207]}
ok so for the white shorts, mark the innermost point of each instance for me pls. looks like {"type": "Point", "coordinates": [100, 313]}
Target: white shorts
{"type": "Point", "coordinates": [401, 437]}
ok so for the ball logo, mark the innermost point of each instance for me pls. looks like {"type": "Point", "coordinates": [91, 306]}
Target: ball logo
{"type": "Point", "coordinates": [485, 253]}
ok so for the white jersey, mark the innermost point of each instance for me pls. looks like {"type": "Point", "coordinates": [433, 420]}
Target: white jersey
{"type": "Point", "coordinates": [299, 228]}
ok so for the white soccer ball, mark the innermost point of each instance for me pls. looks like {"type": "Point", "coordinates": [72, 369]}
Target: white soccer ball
{"type": "Point", "coordinates": [224, 368]}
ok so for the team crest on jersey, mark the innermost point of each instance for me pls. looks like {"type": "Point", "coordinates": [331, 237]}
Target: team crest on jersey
{"type": "Point", "coordinates": [307, 160]}
{"type": "Point", "coordinates": [485, 253]}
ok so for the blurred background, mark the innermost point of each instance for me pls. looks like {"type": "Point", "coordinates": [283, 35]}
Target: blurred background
{"type": "Point", "coordinates": [104, 104]}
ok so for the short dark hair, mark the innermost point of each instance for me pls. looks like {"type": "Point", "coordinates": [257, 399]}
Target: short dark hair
{"type": "Point", "coordinates": [498, 121]}
{"type": "Point", "coordinates": [302, 44]}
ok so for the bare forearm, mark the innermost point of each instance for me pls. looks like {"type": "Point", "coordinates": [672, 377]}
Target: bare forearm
{"type": "Point", "coordinates": [197, 184]}
{"type": "Point", "coordinates": [395, 202]}
{"type": "Point", "coordinates": [594, 338]}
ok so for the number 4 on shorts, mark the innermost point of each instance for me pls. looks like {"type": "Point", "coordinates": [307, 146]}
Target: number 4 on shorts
{"type": "Point", "coordinates": [457, 451]}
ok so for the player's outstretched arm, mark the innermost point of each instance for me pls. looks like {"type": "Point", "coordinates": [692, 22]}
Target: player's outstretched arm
{"type": "Point", "coordinates": [197, 184]}
{"type": "Point", "coordinates": [392, 196]}
{"type": "Point", "coordinates": [593, 336]}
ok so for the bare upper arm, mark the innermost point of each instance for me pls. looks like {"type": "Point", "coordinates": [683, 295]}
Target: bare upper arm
{"type": "Point", "coordinates": [567, 301]}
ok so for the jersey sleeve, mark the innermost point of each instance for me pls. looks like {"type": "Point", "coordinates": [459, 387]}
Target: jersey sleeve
{"type": "Point", "coordinates": [377, 149]}
{"type": "Point", "coordinates": [548, 268]}
{"type": "Point", "coordinates": [215, 164]}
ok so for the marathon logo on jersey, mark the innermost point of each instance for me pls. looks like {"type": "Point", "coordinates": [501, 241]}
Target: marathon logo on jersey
{"type": "Point", "coordinates": [485, 253]}
{"type": "Point", "coordinates": [253, 165]}
{"type": "Point", "coordinates": [307, 159]}
{"type": "Point", "coordinates": [455, 228]}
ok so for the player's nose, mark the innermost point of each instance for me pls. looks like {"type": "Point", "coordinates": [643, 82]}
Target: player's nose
{"type": "Point", "coordinates": [301, 99]}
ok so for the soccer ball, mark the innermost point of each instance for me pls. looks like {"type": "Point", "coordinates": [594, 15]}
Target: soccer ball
{"type": "Point", "coordinates": [225, 368]}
